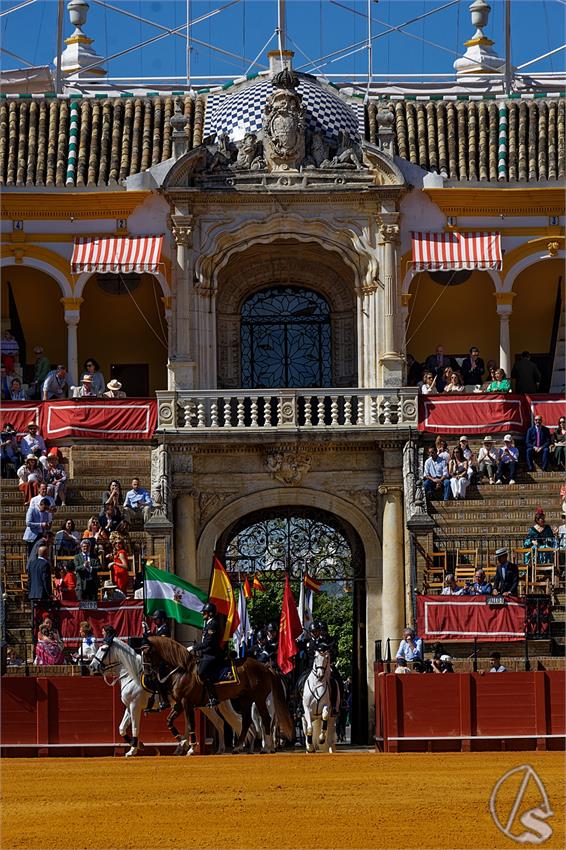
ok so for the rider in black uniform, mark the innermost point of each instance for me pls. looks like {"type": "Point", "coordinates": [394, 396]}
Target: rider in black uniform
{"type": "Point", "coordinates": [155, 681]}
{"type": "Point", "coordinates": [211, 652]}
{"type": "Point", "coordinates": [272, 642]}
{"type": "Point", "coordinates": [260, 649]}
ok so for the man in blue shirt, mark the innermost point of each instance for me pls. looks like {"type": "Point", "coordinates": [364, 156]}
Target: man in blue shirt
{"type": "Point", "coordinates": [411, 647]}
{"type": "Point", "coordinates": [137, 501]}
{"type": "Point", "coordinates": [435, 474]}
{"type": "Point", "coordinates": [481, 586]}
{"type": "Point", "coordinates": [56, 384]}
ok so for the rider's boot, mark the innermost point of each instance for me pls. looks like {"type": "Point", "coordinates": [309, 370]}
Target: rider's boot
{"type": "Point", "coordinates": [163, 699]}
{"type": "Point", "coordinates": [149, 709]}
{"type": "Point", "coordinates": [212, 698]}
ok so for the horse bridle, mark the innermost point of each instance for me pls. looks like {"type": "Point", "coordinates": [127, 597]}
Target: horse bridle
{"type": "Point", "coordinates": [102, 667]}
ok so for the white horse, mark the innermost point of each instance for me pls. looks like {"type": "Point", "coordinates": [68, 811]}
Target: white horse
{"type": "Point", "coordinates": [118, 662]}
{"type": "Point", "coordinates": [318, 721]}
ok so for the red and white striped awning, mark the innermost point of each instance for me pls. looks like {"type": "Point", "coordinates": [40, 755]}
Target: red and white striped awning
{"type": "Point", "coordinates": [453, 251]}
{"type": "Point", "coordinates": [117, 254]}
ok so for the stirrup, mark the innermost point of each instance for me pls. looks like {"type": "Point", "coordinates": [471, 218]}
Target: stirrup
{"type": "Point", "coordinates": [212, 702]}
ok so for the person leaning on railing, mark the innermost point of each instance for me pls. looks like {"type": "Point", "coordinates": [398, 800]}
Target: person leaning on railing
{"type": "Point", "coordinates": [500, 383]}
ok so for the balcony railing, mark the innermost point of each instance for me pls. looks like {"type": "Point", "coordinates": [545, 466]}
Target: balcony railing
{"type": "Point", "coordinates": [286, 410]}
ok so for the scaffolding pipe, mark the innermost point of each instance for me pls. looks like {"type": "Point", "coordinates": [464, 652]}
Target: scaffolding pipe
{"type": "Point", "coordinates": [58, 73]}
{"type": "Point", "coordinates": [508, 67]}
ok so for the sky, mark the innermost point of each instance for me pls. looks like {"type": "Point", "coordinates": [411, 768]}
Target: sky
{"type": "Point", "coordinates": [315, 29]}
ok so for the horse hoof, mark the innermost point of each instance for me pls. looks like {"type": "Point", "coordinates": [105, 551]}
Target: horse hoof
{"type": "Point", "coordinates": [310, 748]}
{"type": "Point", "coordinates": [321, 739]}
{"type": "Point", "coordinates": [190, 752]}
{"type": "Point", "coordinates": [131, 752]}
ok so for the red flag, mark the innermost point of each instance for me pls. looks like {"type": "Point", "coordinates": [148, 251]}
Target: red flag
{"type": "Point", "coordinates": [246, 588]}
{"type": "Point", "coordinates": [312, 583]}
{"type": "Point", "coordinates": [221, 593]}
{"type": "Point", "coordinates": [289, 630]}
{"type": "Point", "coordinates": [257, 585]}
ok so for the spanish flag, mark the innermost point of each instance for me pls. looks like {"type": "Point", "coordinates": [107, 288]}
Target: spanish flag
{"type": "Point", "coordinates": [220, 592]}
{"type": "Point", "coordinates": [311, 583]}
{"type": "Point", "coordinates": [247, 591]}
{"type": "Point", "coordinates": [257, 585]}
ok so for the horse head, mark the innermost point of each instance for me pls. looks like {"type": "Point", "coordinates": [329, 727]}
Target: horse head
{"type": "Point", "coordinates": [103, 659]}
{"type": "Point", "coordinates": [321, 663]}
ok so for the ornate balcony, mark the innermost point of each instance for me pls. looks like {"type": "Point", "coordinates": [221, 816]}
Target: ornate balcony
{"type": "Point", "coordinates": [286, 410]}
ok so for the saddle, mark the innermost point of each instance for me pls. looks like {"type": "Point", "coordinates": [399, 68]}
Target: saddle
{"type": "Point", "coordinates": [226, 674]}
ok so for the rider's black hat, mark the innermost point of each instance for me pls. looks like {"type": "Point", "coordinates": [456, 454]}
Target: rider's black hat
{"type": "Point", "coordinates": [159, 615]}
{"type": "Point", "coordinates": [209, 608]}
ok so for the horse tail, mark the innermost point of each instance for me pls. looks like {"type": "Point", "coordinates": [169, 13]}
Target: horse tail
{"type": "Point", "coordinates": [284, 720]}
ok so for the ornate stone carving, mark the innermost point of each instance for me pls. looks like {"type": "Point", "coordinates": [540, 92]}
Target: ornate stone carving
{"type": "Point", "coordinates": [249, 156]}
{"type": "Point", "coordinates": [160, 482]}
{"type": "Point", "coordinates": [287, 467]}
{"type": "Point", "coordinates": [210, 503]}
{"type": "Point", "coordinates": [389, 232]}
{"type": "Point", "coordinates": [284, 124]}
{"type": "Point", "coordinates": [182, 230]}
{"type": "Point", "coordinates": [553, 248]}
{"type": "Point", "coordinates": [348, 153]}
{"type": "Point", "coordinates": [416, 512]}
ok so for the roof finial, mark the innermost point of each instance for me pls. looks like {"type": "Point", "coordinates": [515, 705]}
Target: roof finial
{"type": "Point", "coordinates": [78, 57]}
{"type": "Point", "coordinates": [479, 58]}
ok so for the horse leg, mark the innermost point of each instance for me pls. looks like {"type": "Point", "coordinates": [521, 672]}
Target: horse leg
{"type": "Point", "coordinates": [171, 717]}
{"type": "Point", "coordinates": [324, 726]}
{"type": "Point", "coordinates": [125, 724]}
{"type": "Point", "coordinates": [191, 737]}
{"type": "Point", "coordinates": [135, 710]}
{"type": "Point", "coordinates": [267, 743]}
{"type": "Point", "coordinates": [307, 726]}
{"type": "Point", "coordinates": [246, 720]}
{"type": "Point", "coordinates": [218, 723]}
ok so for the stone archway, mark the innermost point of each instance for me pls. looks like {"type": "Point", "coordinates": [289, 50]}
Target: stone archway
{"type": "Point", "coordinates": [287, 263]}
{"type": "Point", "coordinates": [369, 622]}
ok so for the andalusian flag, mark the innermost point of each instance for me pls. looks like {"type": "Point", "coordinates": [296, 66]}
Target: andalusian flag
{"type": "Point", "coordinates": [221, 593]}
{"type": "Point", "coordinates": [180, 600]}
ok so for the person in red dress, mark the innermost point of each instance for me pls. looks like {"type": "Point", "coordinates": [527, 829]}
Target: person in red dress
{"type": "Point", "coordinates": [119, 564]}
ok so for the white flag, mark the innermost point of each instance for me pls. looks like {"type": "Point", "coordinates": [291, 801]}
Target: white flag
{"type": "Point", "coordinates": [244, 630]}
{"type": "Point", "coordinates": [305, 607]}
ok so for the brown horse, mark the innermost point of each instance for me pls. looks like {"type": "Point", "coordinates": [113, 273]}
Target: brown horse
{"type": "Point", "coordinates": [255, 682]}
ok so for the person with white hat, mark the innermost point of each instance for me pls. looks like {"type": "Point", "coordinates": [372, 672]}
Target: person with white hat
{"type": "Point", "coordinates": [86, 389]}
{"type": "Point", "coordinates": [506, 579]}
{"type": "Point", "coordinates": [114, 390]}
{"type": "Point", "coordinates": [488, 459]}
{"type": "Point", "coordinates": [508, 457]}
{"type": "Point", "coordinates": [110, 592]}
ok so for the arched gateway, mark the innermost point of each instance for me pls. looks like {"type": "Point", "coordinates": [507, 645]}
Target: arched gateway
{"type": "Point", "coordinates": [285, 401]}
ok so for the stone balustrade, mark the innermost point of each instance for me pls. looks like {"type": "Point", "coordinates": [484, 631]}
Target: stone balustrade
{"type": "Point", "coordinates": [286, 410]}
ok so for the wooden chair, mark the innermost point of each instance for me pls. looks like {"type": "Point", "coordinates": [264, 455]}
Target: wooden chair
{"type": "Point", "coordinates": [463, 574]}
{"type": "Point", "coordinates": [541, 574]}
{"type": "Point", "coordinates": [467, 558]}
{"type": "Point", "coordinates": [434, 572]}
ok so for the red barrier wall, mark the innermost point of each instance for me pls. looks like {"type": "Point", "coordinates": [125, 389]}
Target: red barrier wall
{"type": "Point", "coordinates": [468, 711]}
{"type": "Point", "coordinates": [72, 715]}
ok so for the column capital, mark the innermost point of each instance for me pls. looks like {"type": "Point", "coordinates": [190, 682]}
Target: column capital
{"type": "Point", "coordinates": [395, 489]}
{"type": "Point", "coordinates": [388, 232]}
{"type": "Point", "coordinates": [71, 305]}
{"type": "Point", "coordinates": [182, 229]}
{"type": "Point", "coordinates": [504, 299]}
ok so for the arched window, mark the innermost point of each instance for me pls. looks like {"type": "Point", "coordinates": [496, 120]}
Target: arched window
{"type": "Point", "coordinates": [286, 339]}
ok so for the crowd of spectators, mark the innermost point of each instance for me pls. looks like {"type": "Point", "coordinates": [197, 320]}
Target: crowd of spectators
{"type": "Point", "coordinates": [448, 473]}
{"type": "Point", "coordinates": [442, 373]}
{"type": "Point", "coordinates": [50, 383]}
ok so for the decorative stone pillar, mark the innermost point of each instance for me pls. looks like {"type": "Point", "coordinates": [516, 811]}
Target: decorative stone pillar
{"type": "Point", "coordinates": [185, 510]}
{"type": "Point", "coordinates": [504, 309]}
{"type": "Point", "coordinates": [391, 360]}
{"type": "Point", "coordinates": [393, 590]}
{"type": "Point", "coordinates": [181, 358]}
{"type": "Point", "coordinates": [72, 317]}
{"type": "Point", "coordinates": [367, 335]}
{"type": "Point", "coordinates": [206, 318]}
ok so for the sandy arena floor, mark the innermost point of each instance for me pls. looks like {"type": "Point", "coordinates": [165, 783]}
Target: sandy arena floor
{"type": "Point", "coordinates": [357, 800]}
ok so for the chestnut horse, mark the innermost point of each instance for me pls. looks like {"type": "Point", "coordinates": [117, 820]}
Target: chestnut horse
{"type": "Point", "coordinates": [255, 682]}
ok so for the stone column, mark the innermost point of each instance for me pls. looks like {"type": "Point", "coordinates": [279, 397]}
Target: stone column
{"type": "Point", "coordinates": [367, 335]}
{"type": "Point", "coordinates": [185, 511]}
{"type": "Point", "coordinates": [391, 360]}
{"type": "Point", "coordinates": [181, 357]}
{"type": "Point", "coordinates": [504, 309]}
{"type": "Point", "coordinates": [393, 584]}
{"type": "Point", "coordinates": [72, 318]}
{"type": "Point", "coordinates": [206, 310]}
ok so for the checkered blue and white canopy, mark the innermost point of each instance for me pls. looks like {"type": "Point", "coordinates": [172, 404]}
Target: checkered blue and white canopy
{"type": "Point", "coordinates": [240, 109]}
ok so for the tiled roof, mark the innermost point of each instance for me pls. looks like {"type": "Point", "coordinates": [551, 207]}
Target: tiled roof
{"type": "Point", "coordinates": [88, 141]}
{"type": "Point", "coordinates": [484, 140]}
{"type": "Point", "coordinates": [99, 141]}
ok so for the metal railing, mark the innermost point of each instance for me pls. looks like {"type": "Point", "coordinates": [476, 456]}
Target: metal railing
{"type": "Point", "coordinates": [284, 410]}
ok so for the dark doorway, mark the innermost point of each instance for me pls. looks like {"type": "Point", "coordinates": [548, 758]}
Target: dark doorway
{"type": "Point", "coordinates": [297, 541]}
{"type": "Point", "coordinates": [134, 378]}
